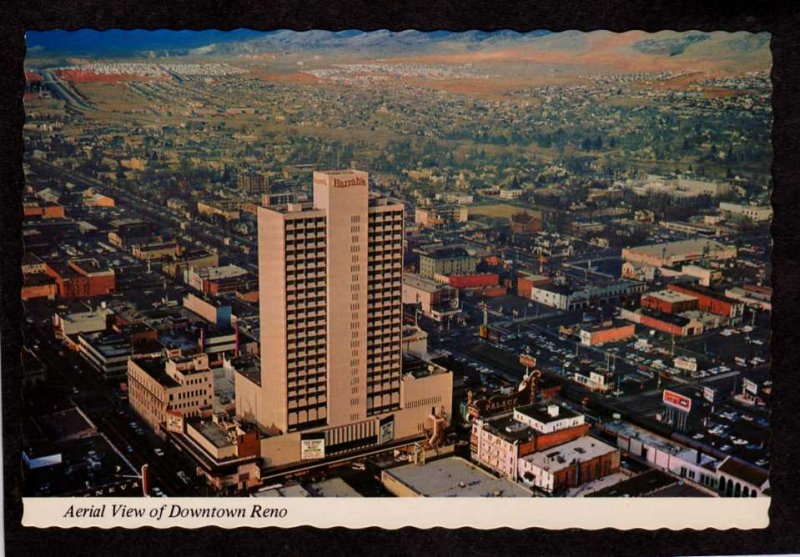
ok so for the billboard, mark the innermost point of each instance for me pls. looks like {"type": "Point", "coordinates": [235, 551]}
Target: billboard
{"type": "Point", "coordinates": [679, 401]}
{"type": "Point", "coordinates": [709, 394]}
{"type": "Point", "coordinates": [312, 446]}
{"type": "Point", "coordinates": [751, 387]}
{"type": "Point", "coordinates": [688, 364]}
{"type": "Point", "coordinates": [386, 430]}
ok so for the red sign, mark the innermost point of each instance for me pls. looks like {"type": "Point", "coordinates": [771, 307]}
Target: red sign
{"type": "Point", "coordinates": [683, 403]}
{"type": "Point", "coordinates": [527, 361]}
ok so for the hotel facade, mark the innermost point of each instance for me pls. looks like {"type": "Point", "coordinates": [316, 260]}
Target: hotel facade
{"type": "Point", "coordinates": [331, 379]}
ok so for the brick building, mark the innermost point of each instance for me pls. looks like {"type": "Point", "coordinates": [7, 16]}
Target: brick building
{"type": "Point", "coordinates": [81, 278]}
{"type": "Point", "coordinates": [569, 465]}
{"type": "Point", "coordinates": [710, 301]}
{"type": "Point", "coordinates": [182, 384]}
{"type": "Point", "coordinates": [498, 443]}
{"type": "Point", "coordinates": [669, 301]}
{"type": "Point", "coordinates": [606, 332]}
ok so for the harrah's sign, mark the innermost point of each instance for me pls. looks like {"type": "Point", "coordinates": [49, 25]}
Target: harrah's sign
{"type": "Point", "coordinates": [355, 181]}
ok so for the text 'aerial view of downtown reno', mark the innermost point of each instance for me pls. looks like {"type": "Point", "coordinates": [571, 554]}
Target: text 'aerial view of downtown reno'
{"type": "Point", "coordinates": [397, 264]}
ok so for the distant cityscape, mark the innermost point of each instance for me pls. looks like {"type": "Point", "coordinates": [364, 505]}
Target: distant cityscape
{"type": "Point", "coordinates": [377, 264]}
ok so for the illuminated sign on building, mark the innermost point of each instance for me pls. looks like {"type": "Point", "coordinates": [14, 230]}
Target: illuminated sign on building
{"type": "Point", "coordinates": [355, 181]}
{"type": "Point", "coordinates": [675, 400]}
{"type": "Point", "coordinates": [312, 446]}
{"type": "Point", "coordinates": [386, 430]}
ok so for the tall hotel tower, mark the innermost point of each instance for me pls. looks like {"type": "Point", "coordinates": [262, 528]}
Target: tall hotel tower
{"type": "Point", "coordinates": [331, 321]}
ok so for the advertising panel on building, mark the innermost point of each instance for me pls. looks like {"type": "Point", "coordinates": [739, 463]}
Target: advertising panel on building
{"type": "Point", "coordinates": [676, 400]}
{"type": "Point", "coordinates": [386, 430]}
{"type": "Point", "coordinates": [312, 446]}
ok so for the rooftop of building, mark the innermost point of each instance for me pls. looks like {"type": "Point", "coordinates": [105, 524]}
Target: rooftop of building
{"type": "Point", "coordinates": [333, 487]}
{"type": "Point", "coordinates": [155, 368]}
{"type": "Point", "coordinates": [680, 247]}
{"type": "Point", "coordinates": [65, 424]}
{"type": "Point", "coordinates": [663, 444]}
{"type": "Point", "coordinates": [743, 471]}
{"type": "Point", "coordinates": [669, 318]}
{"type": "Point", "coordinates": [506, 427]}
{"type": "Point", "coordinates": [540, 413]}
{"type": "Point", "coordinates": [249, 367]}
{"type": "Point", "coordinates": [422, 283]}
{"type": "Point", "coordinates": [608, 324]}
{"type": "Point", "coordinates": [454, 477]}
{"type": "Point", "coordinates": [670, 296]}
{"type": "Point", "coordinates": [582, 449]}
{"type": "Point", "coordinates": [417, 367]}
{"type": "Point", "coordinates": [212, 431]}
{"type": "Point", "coordinates": [446, 253]}
{"type": "Point", "coordinates": [562, 289]}
{"type": "Point", "coordinates": [644, 484]}
{"type": "Point", "coordinates": [719, 294]}
{"type": "Point", "coordinates": [108, 344]}
{"type": "Point", "coordinates": [293, 490]}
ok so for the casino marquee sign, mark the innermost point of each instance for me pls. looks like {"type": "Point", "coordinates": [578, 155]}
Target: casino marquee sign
{"type": "Point", "coordinates": [502, 403]}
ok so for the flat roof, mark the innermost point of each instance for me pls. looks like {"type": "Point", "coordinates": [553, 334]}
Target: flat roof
{"type": "Point", "coordinates": [446, 253]}
{"type": "Point", "coordinates": [213, 432]}
{"type": "Point", "coordinates": [154, 367]}
{"type": "Point", "coordinates": [680, 247]}
{"type": "Point", "coordinates": [582, 449]}
{"type": "Point", "coordinates": [638, 486]}
{"type": "Point", "coordinates": [422, 283]}
{"type": "Point", "coordinates": [510, 429]}
{"type": "Point", "coordinates": [539, 412]}
{"type": "Point", "coordinates": [334, 487]}
{"type": "Point", "coordinates": [294, 490]}
{"type": "Point", "coordinates": [670, 296]}
{"type": "Point", "coordinates": [454, 477]}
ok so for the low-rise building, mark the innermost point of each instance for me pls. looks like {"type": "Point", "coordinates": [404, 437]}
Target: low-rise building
{"type": "Point", "coordinates": [710, 301]}
{"type": "Point", "coordinates": [500, 441]}
{"type": "Point", "coordinates": [671, 254]}
{"type": "Point", "coordinates": [526, 282]}
{"type": "Point", "coordinates": [226, 451]}
{"type": "Point", "coordinates": [448, 477]}
{"type": "Point", "coordinates": [668, 301]}
{"type": "Point", "coordinates": [69, 324]}
{"type": "Point", "coordinates": [606, 332]}
{"type": "Point", "coordinates": [156, 250]}
{"type": "Point", "coordinates": [81, 278]}
{"type": "Point", "coordinates": [105, 352]}
{"type": "Point", "coordinates": [441, 215]}
{"type": "Point", "coordinates": [446, 261]}
{"type": "Point", "coordinates": [738, 479]}
{"type": "Point", "coordinates": [181, 384]}
{"type": "Point", "coordinates": [667, 323]}
{"type": "Point", "coordinates": [569, 465]}
{"type": "Point", "coordinates": [756, 213]}
{"type": "Point", "coordinates": [437, 301]}
{"type": "Point", "coordinates": [228, 210]}
{"type": "Point", "coordinates": [567, 298]}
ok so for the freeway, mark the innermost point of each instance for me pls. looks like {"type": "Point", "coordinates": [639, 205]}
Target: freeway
{"type": "Point", "coordinates": [63, 92]}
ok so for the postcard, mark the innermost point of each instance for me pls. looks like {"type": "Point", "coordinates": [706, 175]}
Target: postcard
{"type": "Point", "coordinates": [397, 278]}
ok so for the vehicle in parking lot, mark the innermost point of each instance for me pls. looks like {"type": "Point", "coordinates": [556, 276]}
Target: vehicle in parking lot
{"type": "Point", "coordinates": [159, 451]}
